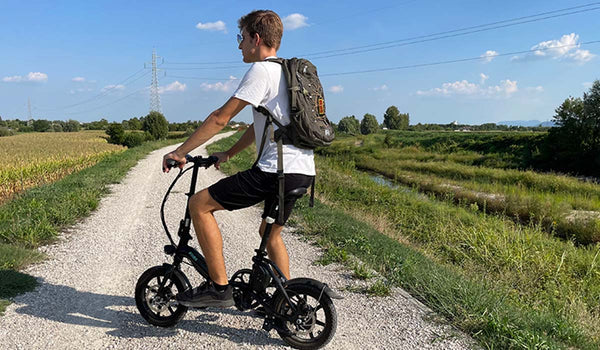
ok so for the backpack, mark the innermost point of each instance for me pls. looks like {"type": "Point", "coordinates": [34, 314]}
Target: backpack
{"type": "Point", "coordinates": [309, 127]}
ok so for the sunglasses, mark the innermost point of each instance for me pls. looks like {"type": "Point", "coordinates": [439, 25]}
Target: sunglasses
{"type": "Point", "coordinates": [240, 38]}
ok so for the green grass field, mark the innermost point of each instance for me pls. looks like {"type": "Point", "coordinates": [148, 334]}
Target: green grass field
{"type": "Point", "coordinates": [508, 284]}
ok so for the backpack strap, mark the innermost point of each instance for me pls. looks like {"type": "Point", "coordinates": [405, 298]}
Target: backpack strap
{"type": "Point", "coordinates": [280, 175]}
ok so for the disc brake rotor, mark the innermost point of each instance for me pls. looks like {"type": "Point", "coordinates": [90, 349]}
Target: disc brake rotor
{"type": "Point", "coordinates": [158, 303]}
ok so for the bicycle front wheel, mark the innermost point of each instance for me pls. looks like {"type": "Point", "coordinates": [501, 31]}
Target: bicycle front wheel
{"type": "Point", "coordinates": [155, 296]}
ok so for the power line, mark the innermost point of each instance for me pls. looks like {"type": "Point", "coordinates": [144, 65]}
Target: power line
{"type": "Point", "coordinates": [452, 35]}
{"type": "Point", "coordinates": [418, 65]}
{"type": "Point", "coordinates": [110, 103]}
{"type": "Point", "coordinates": [200, 78]}
{"type": "Point", "coordinates": [461, 29]}
{"type": "Point", "coordinates": [420, 39]}
{"type": "Point", "coordinates": [102, 94]}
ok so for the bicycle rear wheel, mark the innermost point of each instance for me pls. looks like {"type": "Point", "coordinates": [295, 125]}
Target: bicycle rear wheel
{"type": "Point", "coordinates": [313, 324]}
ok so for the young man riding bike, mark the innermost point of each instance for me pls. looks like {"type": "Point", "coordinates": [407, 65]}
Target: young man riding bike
{"type": "Point", "coordinates": [263, 85]}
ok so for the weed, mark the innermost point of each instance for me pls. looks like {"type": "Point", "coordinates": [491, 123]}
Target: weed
{"type": "Point", "coordinates": [379, 289]}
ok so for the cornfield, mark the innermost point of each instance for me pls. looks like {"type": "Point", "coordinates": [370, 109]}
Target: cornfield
{"type": "Point", "coordinates": [33, 159]}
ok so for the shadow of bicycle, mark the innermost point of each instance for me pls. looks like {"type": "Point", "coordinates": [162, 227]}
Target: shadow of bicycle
{"type": "Point", "coordinates": [120, 317]}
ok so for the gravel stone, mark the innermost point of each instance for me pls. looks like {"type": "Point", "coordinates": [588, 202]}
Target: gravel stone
{"type": "Point", "coordinates": [85, 297]}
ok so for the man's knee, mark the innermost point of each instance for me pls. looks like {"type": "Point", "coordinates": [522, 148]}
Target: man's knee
{"type": "Point", "coordinates": [202, 202]}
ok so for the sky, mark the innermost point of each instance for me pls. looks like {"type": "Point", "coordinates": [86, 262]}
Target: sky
{"type": "Point", "coordinates": [468, 61]}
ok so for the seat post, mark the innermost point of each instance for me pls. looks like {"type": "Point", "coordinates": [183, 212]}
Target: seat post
{"type": "Point", "coordinates": [265, 237]}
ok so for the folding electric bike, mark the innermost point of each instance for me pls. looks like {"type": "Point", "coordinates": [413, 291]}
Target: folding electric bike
{"type": "Point", "coordinates": [301, 310]}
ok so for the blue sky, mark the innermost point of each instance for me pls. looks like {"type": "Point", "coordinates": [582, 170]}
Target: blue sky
{"type": "Point", "coordinates": [84, 60]}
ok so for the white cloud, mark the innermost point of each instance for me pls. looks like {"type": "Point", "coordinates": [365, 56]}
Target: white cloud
{"type": "Point", "coordinates": [565, 48]}
{"type": "Point", "coordinates": [536, 89]}
{"type": "Point", "coordinates": [13, 79]}
{"type": "Point", "coordinates": [75, 91]}
{"type": "Point", "coordinates": [78, 79]}
{"type": "Point", "coordinates": [336, 89]}
{"type": "Point", "coordinates": [380, 88]}
{"type": "Point", "coordinates": [483, 78]}
{"type": "Point", "coordinates": [294, 21]}
{"type": "Point", "coordinates": [225, 86]}
{"type": "Point", "coordinates": [489, 55]}
{"type": "Point", "coordinates": [587, 84]}
{"type": "Point", "coordinates": [113, 87]}
{"type": "Point", "coordinates": [213, 26]}
{"type": "Point", "coordinates": [37, 76]}
{"type": "Point", "coordinates": [174, 86]}
{"type": "Point", "coordinates": [505, 89]}
{"type": "Point", "coordinates": [32, 76]}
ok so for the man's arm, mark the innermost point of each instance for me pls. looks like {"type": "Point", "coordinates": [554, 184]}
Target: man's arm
{"type": "Point", "coordinates": [216, 121]}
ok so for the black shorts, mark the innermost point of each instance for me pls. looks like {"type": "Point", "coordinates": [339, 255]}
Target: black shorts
{"type": "Point", "coordinates": [252, 186]}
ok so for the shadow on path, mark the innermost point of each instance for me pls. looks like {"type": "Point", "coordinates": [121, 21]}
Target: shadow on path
{"type": "Point", "coordinates": [120, 316]}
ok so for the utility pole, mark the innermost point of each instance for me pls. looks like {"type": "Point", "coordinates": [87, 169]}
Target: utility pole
{"type": "Point", "coordinates": [154, 96]}
{"type": "Point", "coordinates": [29, 108]}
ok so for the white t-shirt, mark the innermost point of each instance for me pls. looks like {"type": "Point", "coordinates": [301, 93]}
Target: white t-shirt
{"type": "Point", "coordinates": [264, 85]}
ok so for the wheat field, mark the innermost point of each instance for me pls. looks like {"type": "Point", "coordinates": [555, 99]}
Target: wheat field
{"type": "Point", "coordinates": [33, 159]}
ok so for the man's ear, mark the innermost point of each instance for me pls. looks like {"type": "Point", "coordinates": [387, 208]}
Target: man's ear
{"type": "Point", "coordinates": [257, 39]}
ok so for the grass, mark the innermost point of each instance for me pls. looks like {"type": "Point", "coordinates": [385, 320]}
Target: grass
{"type": "Point", "coordinates": [529, 197]}
{"type": "Point", "coordinates": [507, 285]}
{"type": "Point", "coordinates": [36, 216]}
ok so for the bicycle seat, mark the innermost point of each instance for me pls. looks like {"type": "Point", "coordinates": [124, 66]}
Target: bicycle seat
{"type": "Point", "coordinates": [296, 193]}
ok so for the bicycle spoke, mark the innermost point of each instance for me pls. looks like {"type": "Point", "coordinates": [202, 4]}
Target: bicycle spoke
{"type": "Point", "coordinates": [320, 323]}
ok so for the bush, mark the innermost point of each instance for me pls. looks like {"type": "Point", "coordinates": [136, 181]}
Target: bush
{"type": "Point", "coordinates": [156, 124]}
{"type": "Point", "coordinates": [116, 133]}
{"type": "Point", "coordinates": [369, 124]}
{"type": "Point", "coordinates": [394, 120]}
{"type": "Point", "coordinates": [72, 126]}
{"type": "Point", "coordinates": [349, 125]}
{"type": "Point", "coordinates": [6, 132]}
{"type": "Point", "coordinates": [134, 139]}
{"type": "Point", "coordinates": [42, 125]}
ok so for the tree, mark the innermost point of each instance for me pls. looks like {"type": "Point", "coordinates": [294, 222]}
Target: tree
{"type": "Point", "coordinates": [116, 133]}
{"type": "Point", "coordinates": [369, 124]}
{"type": "Point", "coordinates": [72, 126]}
{"type": "Point", "coordinates": [135, 124]}
{"type": "Point", "coordinates": [41, 125]}
{"type": "Point", "coordinates": [576, 140]}
{"type": "Point", "coordinates": [349, 125]}
{"type": "Point", "coordinates": [156, 124]}
{"type": "Point", "coordinates": [391, 118]}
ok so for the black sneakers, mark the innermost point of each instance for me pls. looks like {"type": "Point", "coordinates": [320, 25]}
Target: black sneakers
{"type": "Point", "coordinates": [206, 296]}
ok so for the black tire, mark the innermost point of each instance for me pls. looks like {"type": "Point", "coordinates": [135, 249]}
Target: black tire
{"type": "Point", "coordinates": [160, 308]}
{"type": "Point", "coordinates": [318, 322]}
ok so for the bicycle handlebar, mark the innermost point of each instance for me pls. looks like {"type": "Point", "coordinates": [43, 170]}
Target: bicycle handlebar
{"type": "Point", "coordinates": [205, 162]}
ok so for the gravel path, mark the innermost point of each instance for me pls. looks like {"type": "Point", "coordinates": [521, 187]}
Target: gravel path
{"type": "Point", "coordinates": [85, 297]}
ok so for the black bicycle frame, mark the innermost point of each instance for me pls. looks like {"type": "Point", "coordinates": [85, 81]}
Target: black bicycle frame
{"type": "Point", "coordinates": [183, 250]}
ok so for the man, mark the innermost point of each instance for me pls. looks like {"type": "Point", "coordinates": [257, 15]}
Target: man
{"type": "Point", "coordinates": [263, 85]}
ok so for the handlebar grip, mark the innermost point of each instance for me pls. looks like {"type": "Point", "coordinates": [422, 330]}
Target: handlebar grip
{"type": "Point", "coordinates": [213, 159]}
{"type": "Point", "coordinates": [171, 163]}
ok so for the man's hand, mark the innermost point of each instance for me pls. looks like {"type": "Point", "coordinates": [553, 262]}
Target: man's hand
{"type": "Point", "coordinates": [223, 157]}
{"type": "Point", "coordinates": [173, 155]}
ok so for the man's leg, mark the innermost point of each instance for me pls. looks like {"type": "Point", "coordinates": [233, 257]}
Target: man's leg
{"type": "Point", "coordinates": [276, 248]}
{"type": "Point", "coordinates": [202, 207]}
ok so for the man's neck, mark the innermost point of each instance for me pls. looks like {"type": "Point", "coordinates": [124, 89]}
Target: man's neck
{"type": "Point", "coordinates": [267, 52]}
